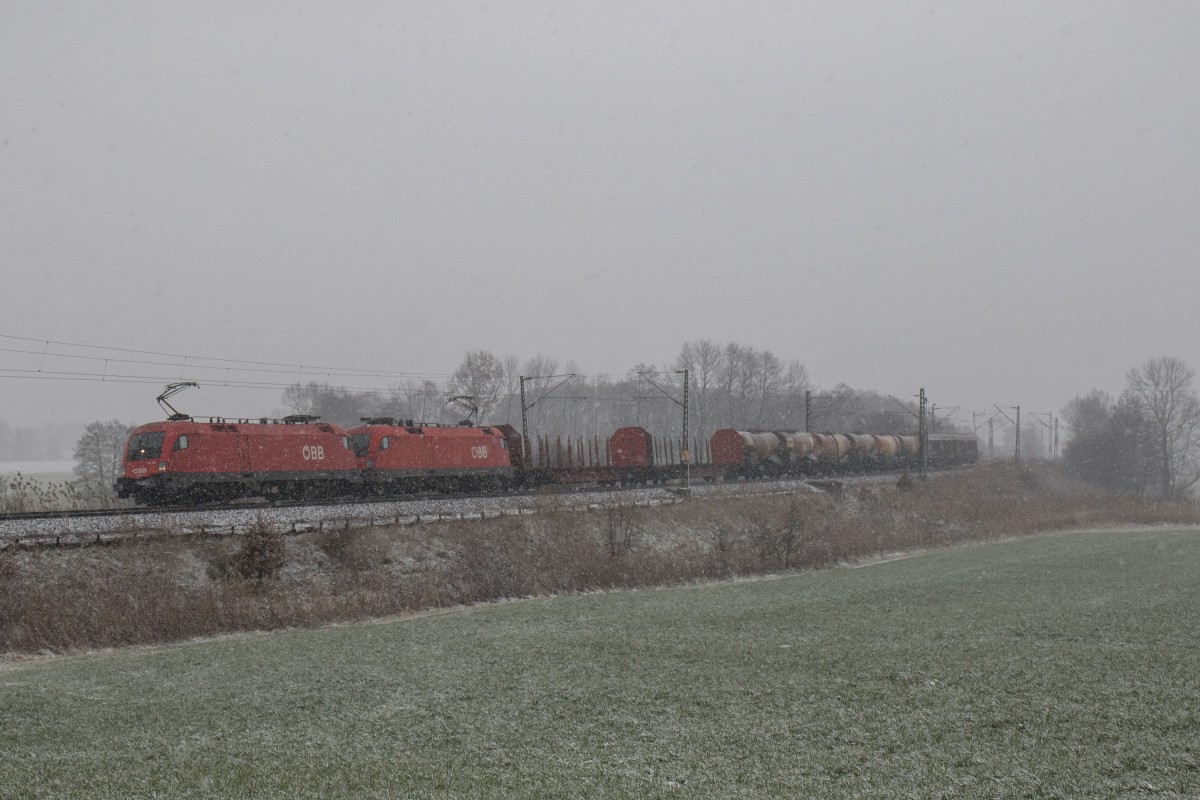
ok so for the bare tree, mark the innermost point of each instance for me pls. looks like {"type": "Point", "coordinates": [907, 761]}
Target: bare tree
{"type": "Point", "coordinates": [1162, 388]}
{"type": "Point", "coordinates": [540, 366]}
{"type": "Point", "coordinates": [99, 454]}
{"type": "Point", "coordinates": [795, 384]}
{"type": "Point", "coordinates": [480, 376]}
{"type": "Point", "coordinates": [702, 359]}
{"type": "Point", "coordinates": [767, 372]}
{"type": "Point", "coordinates": [780, 532]}
{"type": "Point", "coordinates": [838, 406]}
{"type": "Point", "coordinates": [538, 384]}
{"type": "Point", "coordinates": [302, 398]}
{"type": "Point", "coordinates": [621, 529]}
{"type": "Point", "coordinates": [512, 388]}
{"type": "Point", "coordinates": [735, 377]}
{"type": "Point", "coordinates": [426, 400]}
{"type": "Point", "coordinates": [330, 403]}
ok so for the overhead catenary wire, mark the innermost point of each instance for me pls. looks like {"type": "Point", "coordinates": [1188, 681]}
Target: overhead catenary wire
{"type": "Point", "coordinates": [241, 373]}
{"type": "Point", "coordinates": [316, 371]}
{"type": "Point", "coordinates": [186, 361]}
{"type": "Point", "coordinates": [183, 358]}
{"type": "Point", "coordinates": [142, 379]}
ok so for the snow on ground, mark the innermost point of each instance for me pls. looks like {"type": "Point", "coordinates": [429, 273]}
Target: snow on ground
{"type": "Point", "coordinates": [405, 511]}
{"type": "Point", "coordinates": [303, 517]}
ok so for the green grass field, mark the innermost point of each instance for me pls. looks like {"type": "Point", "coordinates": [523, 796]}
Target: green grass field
{"type": "Point", "coordinates": [1056, 666]}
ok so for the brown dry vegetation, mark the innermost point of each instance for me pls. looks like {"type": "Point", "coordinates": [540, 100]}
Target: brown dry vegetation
{"type": "Point", "coordinates": [19, 493]}
{"type": "Point", "coordinates": [176, 589]}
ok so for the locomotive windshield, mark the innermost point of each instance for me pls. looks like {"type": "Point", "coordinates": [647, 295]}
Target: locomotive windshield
{"type": "Point", "coordinates": [145, 446]}
{"type": "Point", "coordinates": [359, 443]}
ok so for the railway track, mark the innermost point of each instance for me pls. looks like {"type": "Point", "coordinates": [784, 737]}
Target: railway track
{"type": "Point", "coordinates": [108, 526]}
{"type": "Point", "coordinates": [559, 490]}
{"type": "Point", "coordinates": [135, 511]}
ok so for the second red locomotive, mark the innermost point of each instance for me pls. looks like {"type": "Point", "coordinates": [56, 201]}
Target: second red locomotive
{"type": "Point", "coordinates": [400, 456]}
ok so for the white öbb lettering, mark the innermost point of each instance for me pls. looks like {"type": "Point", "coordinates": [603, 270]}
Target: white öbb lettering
{"type": "Point", "coordinates": [479, 452]}
{"type": "Point", "coordinates": [312, 452]}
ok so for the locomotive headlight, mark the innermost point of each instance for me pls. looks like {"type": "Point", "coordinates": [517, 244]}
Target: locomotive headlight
{"type": "Point", "coordinates": [162, 466]}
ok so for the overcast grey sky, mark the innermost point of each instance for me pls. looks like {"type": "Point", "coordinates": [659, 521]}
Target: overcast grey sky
{"type": "Point", "coordinates": [997, 201]}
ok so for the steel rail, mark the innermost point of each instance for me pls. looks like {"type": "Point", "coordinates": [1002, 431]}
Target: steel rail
{"type": "Point", "coordinates": [74, 539]}
{"type": "Point", "coordinates": [542, 490]}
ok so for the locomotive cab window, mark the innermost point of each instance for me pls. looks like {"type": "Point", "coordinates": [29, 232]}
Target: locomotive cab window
{"type": "Point", "coordinates": [359, 443]}
{"type": "Point", "coordinates": [181, 443]}
{"type": "Point", "coordinates": [384, 443]}
{"type": "Point", "coordinates": [145, 446]}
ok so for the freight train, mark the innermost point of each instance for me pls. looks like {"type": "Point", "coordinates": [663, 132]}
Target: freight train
{"type": "Point", "coordinates": [185, 460]}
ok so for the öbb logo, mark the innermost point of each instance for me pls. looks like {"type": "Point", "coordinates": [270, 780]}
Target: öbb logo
{"type": "Point", "coordinates": [479, 452]}
{"type": "Point", "coordinates": [312, 452]}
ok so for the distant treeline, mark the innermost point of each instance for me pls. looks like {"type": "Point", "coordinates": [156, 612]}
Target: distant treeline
{"type": "Point", "coordinates": [52, 441]}
{"type": "Point", "coordinates": [730, 386]}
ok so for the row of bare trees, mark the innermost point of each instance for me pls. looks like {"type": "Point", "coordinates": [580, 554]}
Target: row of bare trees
{"type": "Point", "coordinates": [1147, 441]}
{"type": "Point", "coordinates": [730, 385]}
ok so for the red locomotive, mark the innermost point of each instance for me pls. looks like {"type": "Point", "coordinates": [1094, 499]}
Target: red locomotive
{"type": "Point", "coordinates": [400, 456]}
{"type": "Point", "coordinates": [184, 460]}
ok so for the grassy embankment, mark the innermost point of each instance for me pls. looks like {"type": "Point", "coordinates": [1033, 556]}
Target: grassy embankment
{"type": "Point", "coordinates": [176, 589]}
{"type": "Point", "coordinates": [1054, 666]}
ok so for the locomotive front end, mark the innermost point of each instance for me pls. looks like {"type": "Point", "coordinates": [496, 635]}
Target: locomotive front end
{"type": "Point", "coordinates": [146, 462]}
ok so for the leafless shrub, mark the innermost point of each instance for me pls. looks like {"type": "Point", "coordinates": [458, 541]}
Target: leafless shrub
{"type": "Point", "coordinates": [781, 532]}
{"type": "Point", "coordinates": [261, 554]}
{"type": "Point", "coordinates": [621, 529]}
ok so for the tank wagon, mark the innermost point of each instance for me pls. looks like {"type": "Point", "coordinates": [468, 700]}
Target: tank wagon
{"type": "Point", "coordinates": [756, 454]}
